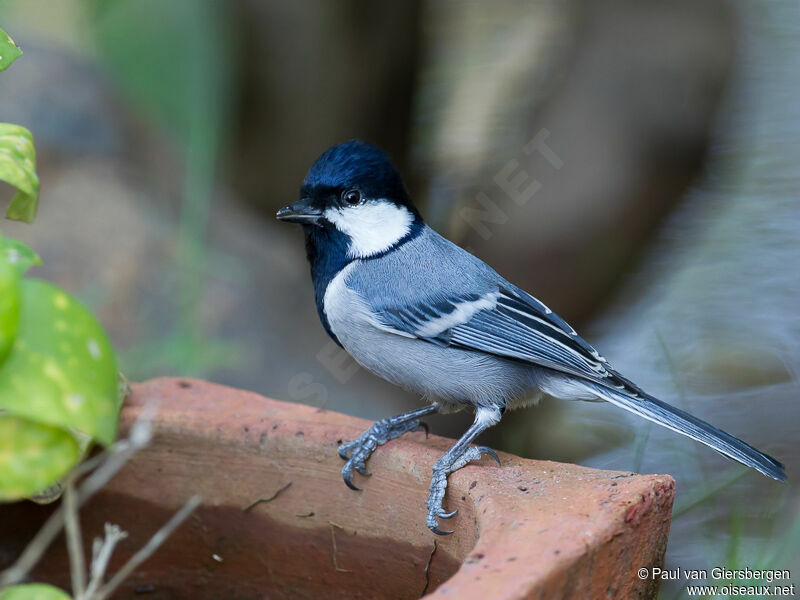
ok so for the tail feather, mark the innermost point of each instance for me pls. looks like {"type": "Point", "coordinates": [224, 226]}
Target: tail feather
{"type": "Point", "coordinates": [682, 422]}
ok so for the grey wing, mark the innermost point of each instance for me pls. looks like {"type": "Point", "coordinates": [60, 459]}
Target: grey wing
{"type": "Point", "coordinates": [509, 323]}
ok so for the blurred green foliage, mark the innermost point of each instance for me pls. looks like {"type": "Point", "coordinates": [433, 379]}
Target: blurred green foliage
{"type": "Point", "coordinates": [17, 155]}
{"type": "Point", "coordinates": [175, 61]}
{"type": "Point", "coordinates": [61, 369]}
{"type": "Point", "coordinates": [58, 372]}
{"type": "Point", "coordinates": [33, 456]}
{"type": "Point", "coordinates": [18, 167]}
{"type": "Point", "coordinates": [58, 379]}
{"type": "Point", "coordinates": [33, 591]}
{"type": "Point", "coordinates": [9, 51]}
{"type": "Point", "coordinates": [9, 308]}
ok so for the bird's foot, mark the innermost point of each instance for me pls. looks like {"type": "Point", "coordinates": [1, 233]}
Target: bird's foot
{"type": "Point", "coordinates": [447, 464]}
{"type": "Point", "coordinates": [359, 450]}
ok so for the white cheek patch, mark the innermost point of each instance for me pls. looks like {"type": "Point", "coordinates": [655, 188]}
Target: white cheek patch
{"type": "Point", "coordinates": [372, 227]}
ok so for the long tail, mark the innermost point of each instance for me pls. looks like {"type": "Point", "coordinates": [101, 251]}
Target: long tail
{"type": "Point", "coordinates": [682, 422]}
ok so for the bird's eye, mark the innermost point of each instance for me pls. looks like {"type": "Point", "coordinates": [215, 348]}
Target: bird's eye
{"type": "Point", "coordinates": [351, 197]}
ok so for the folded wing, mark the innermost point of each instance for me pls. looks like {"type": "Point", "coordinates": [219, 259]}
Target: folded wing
{"type": "Point", "coordinates": [509, 323]}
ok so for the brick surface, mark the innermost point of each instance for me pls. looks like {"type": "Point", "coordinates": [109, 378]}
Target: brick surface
{"type": "Point", "coordinates": [528, 529]}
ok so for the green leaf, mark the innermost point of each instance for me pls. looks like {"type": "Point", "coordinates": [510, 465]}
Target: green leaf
{"type": "Point", "coordinates": [18, 167]}
{"type": "Point", "coordinates": [33, 591]}
{"type": "Point", "coordinates": [18, 255]}
{"type": "Point", "coordinates": [61, 370]}
{"type": "Point", "coordinates": [32, 457]}
{"type": "Point", "coordinates": [9, 51]}
{"type": "Point", "coordinates": [9, 308]}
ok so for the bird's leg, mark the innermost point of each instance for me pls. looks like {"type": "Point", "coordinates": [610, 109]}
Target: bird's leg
{"type": "Point", "coordinates": [458, 456]}
{"type": "Point", "coordinates": [359, 450]}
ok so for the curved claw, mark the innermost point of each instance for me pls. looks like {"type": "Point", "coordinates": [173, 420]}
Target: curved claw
{"type": "Point", "coordinates": [422, 425]}
{"type": "Point", "coordinates": [490, 452]}
{"type": "Point", "coordinates": [450, 515]}
{"type": "Point", "coordinates": [438, 531]}
{"type": "Point", "coordinates": [349, 483]}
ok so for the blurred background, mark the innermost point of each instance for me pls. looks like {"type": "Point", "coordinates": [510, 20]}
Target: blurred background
{"type": "Point", "coordinates": [633, 163]}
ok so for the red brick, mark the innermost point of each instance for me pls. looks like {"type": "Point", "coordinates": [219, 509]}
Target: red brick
{"type": "Point", "coordinates": [528, 529]}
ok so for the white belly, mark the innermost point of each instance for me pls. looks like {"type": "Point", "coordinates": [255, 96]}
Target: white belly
{"type": "Point", "coordinates": [452, 375]}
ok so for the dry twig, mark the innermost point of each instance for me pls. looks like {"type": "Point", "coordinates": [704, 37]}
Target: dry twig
{"type": "Point", "coordinates": [102, 549]}
{"type": "Point", "coordinates": [99, 469]}
{"type": "Point", "coordinates": [77, 567]}
{"type": "Point", "coordinates": [147, 550]}
{"type": "Point", "coordinates": [107, 464]}
{"type": "Point", "coordinates": [335, 549]}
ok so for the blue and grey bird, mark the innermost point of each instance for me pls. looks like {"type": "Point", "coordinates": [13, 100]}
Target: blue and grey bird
{"type": "Point", "coordinates": [415, 309]}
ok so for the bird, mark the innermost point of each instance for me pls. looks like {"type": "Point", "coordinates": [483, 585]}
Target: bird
{"type": "Point", "coordinates": [417, 310]}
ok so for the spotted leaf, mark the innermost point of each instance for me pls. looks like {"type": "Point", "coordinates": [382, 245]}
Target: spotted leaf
{"type": "Point", "coordinates": [18, 255]}
{"type": "Point", "coordinates": [61, 369]}
{"type": "Point", "coordinates": [18, 167]}
{"type": "Point", "coordinates": [32, 456]}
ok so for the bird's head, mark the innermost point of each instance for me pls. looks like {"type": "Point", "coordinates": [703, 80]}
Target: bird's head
{"type": "Point", "coordinates": [354, 191]}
